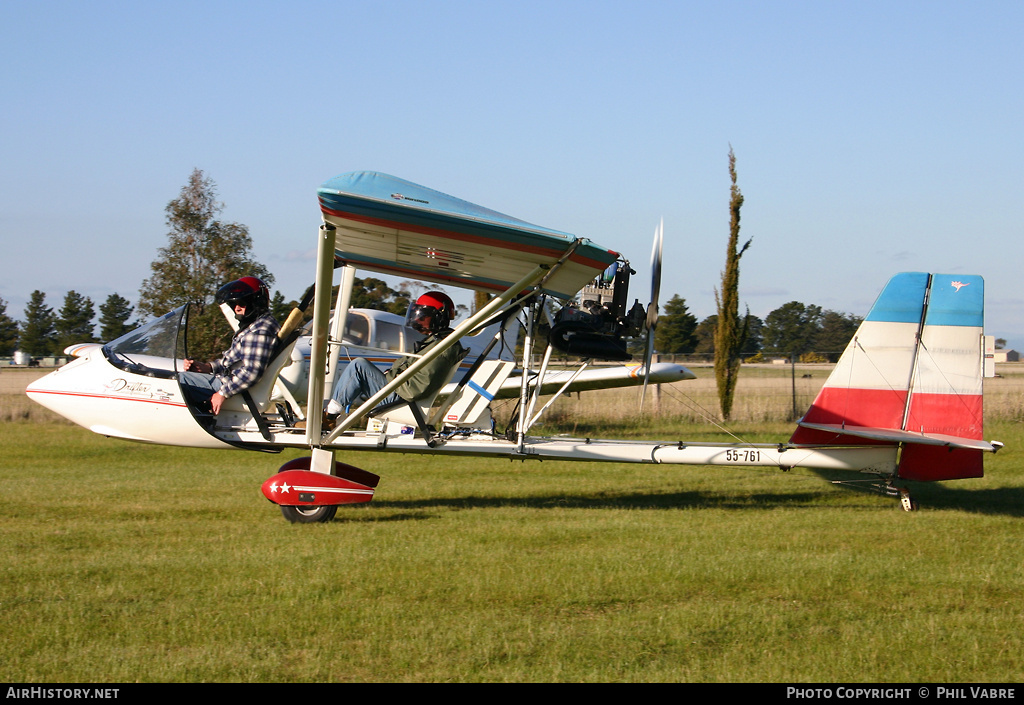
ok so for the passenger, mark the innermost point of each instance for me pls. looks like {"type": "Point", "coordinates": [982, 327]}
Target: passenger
{"type": "Point", "coordinates": [243, 363]}
{"type": "Point", "coordinates": [431, 315]}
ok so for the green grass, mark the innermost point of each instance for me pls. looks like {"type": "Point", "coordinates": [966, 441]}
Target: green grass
{"type": "Point", "coordinates": [127, 562]}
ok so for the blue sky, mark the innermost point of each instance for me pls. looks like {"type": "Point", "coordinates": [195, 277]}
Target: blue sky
{"type": "Point", "coordinates": [870, 137]}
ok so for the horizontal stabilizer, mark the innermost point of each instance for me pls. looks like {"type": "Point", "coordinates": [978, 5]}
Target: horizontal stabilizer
{"type": "Point", "coordinates": [897, 436]}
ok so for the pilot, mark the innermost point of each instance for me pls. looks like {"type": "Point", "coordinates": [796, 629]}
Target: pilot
{"type": "Point", "coordinates": [430, 315]}
{"type": "Point", "coordinates": [243, 362]}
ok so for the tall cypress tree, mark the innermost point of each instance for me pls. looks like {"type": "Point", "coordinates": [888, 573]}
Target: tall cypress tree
{"type": "Point", "coordinates": [730, 331]}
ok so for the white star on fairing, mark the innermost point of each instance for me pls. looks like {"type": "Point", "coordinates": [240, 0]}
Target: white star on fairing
{"type": "Point", "coordinates": [283, 487]}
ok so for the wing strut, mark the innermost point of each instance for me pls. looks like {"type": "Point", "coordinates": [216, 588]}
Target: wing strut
{"type": "Point", "coordinates": [319, 346]}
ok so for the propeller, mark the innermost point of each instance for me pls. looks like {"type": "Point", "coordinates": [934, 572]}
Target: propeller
{"type": "Point", "coordinates": [652, 308]}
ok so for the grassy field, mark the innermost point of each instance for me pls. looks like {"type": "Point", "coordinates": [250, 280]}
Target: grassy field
{"type": "Point", "coordinates": [128, 563]}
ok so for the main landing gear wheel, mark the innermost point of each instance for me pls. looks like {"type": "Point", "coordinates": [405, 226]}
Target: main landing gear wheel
{"type": "Point", "coordinates": [309, 515]}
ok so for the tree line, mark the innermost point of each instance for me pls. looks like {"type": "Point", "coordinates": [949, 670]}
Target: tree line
{"type": "Point", "coordinates": [202, 253]}
{"type": "Point", "coordinates": [794, 328]}
{"type": "Point", "coordinates": [44, 331]}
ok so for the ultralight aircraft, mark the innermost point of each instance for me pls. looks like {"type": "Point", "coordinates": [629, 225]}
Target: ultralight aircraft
{"type": "Point", "coordinates": [904, 402]}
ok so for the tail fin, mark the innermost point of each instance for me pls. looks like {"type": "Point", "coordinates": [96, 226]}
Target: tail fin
{"type": "Point", "coordinates": [913, 375]}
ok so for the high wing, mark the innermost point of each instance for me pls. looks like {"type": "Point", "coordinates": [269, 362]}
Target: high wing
{"type": "Point", "coordinates": [392, 226]}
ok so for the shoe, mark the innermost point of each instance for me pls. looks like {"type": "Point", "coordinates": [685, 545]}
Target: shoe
{"type": "Point", "coordinates": [327, 422]}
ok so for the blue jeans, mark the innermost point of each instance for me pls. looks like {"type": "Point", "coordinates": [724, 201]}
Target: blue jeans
{"type": "Point", "coordinates": [359, 381]}
{"type": "Point", "coordinates": [199, 387]}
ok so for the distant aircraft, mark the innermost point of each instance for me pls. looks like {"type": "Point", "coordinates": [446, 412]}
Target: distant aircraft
{"type": "Point", "coordinates": [903, 403]}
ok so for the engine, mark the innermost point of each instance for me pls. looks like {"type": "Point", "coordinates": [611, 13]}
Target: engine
{"type": "Point", "coordinates": [598, 327]}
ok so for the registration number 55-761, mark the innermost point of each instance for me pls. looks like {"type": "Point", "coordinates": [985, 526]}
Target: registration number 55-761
{"type": "Point", "coordinates": [743, 456]}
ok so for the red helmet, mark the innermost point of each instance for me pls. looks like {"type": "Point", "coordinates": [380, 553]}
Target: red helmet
{"type": "Point", "coordinates": [435, 305]}
{"type": "Point", "coordinates": [247, 291]}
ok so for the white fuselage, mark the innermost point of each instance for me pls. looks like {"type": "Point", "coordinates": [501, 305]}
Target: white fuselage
{"type": "Point", "coordinates": [114, 402]}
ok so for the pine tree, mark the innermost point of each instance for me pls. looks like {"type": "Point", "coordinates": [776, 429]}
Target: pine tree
{"type": "Point", "coordinates": [38, 337]}
{"type": "Point", "coordinates": [202, 254]}
{"type": "Point", "coordinates": [74, 323]}
{"type": "Point", "coordinates": [676, 328]}
{"type": "Point", "coordinates": [114, 315]}
{"type": "Point", "coordinates": [8, 331]}
{"type": "Point", "coordinates": [730, 331]}
{"type": "Point", "coordinates": [279, 307]}
{"type": "Point", "coordinates": [705, 334]}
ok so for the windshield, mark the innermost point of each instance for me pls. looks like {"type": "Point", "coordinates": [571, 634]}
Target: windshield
{"type": "Point", "coordinates": [151, 348]}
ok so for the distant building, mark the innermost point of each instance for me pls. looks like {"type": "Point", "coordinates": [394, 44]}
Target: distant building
{"type": "Point", "coordinates": [1006, 356]}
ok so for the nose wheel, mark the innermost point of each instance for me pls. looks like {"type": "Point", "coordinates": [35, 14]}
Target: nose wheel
{"type": "Point", "coordinates": [309, 515]}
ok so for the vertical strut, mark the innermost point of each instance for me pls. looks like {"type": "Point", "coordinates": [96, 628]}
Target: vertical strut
{"type": "Point", "coordinates": [319, 347]}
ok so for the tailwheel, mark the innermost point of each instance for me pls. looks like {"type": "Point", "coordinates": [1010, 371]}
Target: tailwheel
{"type": "Point", "coordinates": [907, 503]}
{"type": "Point", "coordinates": [309, 515]}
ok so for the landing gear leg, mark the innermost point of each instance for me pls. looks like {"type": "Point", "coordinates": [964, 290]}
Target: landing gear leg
{"type": "Point", "coordinates": [907, 503]}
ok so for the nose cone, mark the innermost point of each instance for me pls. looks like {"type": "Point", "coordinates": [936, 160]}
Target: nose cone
{"type": "Point", "coordinates": [39, 384]}
{"type": "Point", "coordinates": [32, 385]}
{"type": "Point", "coordinates": [50, 391]}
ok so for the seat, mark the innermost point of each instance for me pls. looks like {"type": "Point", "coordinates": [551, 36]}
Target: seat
{"type": "Point", "coordinates": [465, 406]}
{"type": "Point", "coordinates": [410, 413]}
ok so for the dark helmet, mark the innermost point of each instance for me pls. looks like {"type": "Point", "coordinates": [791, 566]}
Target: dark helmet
{"type": "Point", "coordinates": [247, 291]}
{"type": "Point", "coordinates": [434, 304]}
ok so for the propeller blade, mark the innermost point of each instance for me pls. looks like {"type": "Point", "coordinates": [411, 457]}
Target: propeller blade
{"type": "Point", "coordinates": [652, 307]}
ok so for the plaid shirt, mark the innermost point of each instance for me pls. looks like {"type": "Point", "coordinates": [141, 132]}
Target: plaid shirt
{"type": "Point", "coordinates": [243, 363]}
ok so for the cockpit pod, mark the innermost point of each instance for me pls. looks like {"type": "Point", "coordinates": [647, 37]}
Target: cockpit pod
{"type": "Point", "coordinates": [130, 387]}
